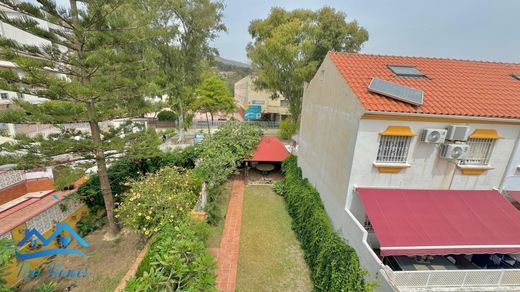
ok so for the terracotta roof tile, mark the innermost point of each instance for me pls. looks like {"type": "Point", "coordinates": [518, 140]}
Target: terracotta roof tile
{"type": "Point", "coordinates": [451, 87]}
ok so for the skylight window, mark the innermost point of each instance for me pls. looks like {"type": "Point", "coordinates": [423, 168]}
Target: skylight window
{"type": "Point", "coordinates": [406, 71]}
{"type": "Point", "coordinates": [517, 76]}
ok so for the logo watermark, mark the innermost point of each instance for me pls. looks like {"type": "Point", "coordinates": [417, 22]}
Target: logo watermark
{"type": "Point", "coordinates": [36, 244]}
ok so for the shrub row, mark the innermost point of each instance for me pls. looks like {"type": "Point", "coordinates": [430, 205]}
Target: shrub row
{"type": "Point", "coordinates": [221, 155]}
{"type": "Point", "coordinates": [177, 261]}
{"type": "Point", "coordinates": [334, 265]}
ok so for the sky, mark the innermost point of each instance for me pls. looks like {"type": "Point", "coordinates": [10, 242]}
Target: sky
{"type": "Point", "coordinates": [461, 29]}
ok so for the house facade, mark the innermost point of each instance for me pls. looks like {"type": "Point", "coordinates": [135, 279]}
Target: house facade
{"type": "Point", "coordinates": [257, 104]}
{"type": "Point", "coordinates": [365, 128]}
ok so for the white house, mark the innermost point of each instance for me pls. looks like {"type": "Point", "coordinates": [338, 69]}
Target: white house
{"type": "Point", "coordinates": [408, 154]}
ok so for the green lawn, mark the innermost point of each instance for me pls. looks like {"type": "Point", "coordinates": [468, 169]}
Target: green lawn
{"type": "Point", "coordinates": [216, 231]}
{"type": "Point", "coordinates": [270, 257]}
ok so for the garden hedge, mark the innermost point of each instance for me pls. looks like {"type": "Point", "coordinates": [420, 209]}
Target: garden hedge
{"type": "Point", "coordinates": [334, 265]}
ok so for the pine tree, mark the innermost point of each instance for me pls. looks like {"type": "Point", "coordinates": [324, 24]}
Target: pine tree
{"type": "Point", "coordinates": [92, 67]}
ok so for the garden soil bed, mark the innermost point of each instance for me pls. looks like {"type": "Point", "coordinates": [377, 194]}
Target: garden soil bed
{"type": "Point", "coordinates": [107, 263]}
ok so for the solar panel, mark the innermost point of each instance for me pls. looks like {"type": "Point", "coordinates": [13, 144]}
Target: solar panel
{"type": "Point", "coordinates": [396, 91]}
{"type": "Point", "coordinates": [407, 71]}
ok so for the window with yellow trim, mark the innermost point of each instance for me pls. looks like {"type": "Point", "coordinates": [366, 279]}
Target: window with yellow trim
{"type": "Point", "coordinates": [481, 144]}
{"type": "Point", "coordinates": [393, 149]}
{"type": "Point", "coordinates": [480, 150]}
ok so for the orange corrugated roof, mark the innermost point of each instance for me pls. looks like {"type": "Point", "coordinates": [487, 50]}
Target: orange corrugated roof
{"type": "Point", "coordinates": [452, 87]}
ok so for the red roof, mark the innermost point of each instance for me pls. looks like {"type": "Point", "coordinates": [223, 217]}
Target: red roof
{"type": "Point", "coordinates": [270, 149]}
{"type": "Point", "coordinates": [27, 210]}
{"type": "Point", "coordinates": [451, 87]}
{"type": "Point", "coordinates": [428, 222]}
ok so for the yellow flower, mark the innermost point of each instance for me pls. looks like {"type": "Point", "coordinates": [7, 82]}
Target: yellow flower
{"type": "Point", "coordinates": [148, 217]}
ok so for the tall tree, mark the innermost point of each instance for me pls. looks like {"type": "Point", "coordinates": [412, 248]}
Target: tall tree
{"type": "Point", "coordinates": [184, 50]}
{"type": "Point", "coordinates": [213, 97]}
{"type": "Point", "coordinates": [288, 47]}
{"type": "Point", "coordinates": [90, 66]}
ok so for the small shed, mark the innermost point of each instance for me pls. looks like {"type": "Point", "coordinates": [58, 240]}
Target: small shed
{"type": "Point", "coordinates": [269, 149]}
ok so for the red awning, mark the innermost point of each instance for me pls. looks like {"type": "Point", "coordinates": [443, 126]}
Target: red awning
{"type": "Point", "coordinates": [269, 149]}
{"type": "Point", "coordinates": [515, 195]}
{"type": "Point", "coordinates": [430, 222]}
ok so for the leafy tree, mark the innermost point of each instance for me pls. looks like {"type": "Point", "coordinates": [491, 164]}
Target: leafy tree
{"type": "Point", "coordinates": [90, 66]}
{"type": "Point", "coordinates": [184, 51]}
{"type": "Point", "coordinates": [213, 97]}
{"type": "Point", "coordinates": [288, 46]}
{"type": "Point", "coordinates": [220, 155]}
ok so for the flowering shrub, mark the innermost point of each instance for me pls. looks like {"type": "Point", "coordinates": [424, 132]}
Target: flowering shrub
{"type": "Point", "coordinates": [177, 260]}
{"type": "Point", "coordinates": [164, 197]}
{"type": "Point", "coordinates": [126, 169]}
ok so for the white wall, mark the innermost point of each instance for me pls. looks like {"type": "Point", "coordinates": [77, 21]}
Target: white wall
{"type": "Point", "coordinates": [512, 176]}
{"type": "Point", "coordinates": [329, 121]}
{"type": "Point", "coordinates": [40, 173]}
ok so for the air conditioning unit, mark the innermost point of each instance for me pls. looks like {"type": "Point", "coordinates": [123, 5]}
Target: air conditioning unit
{"type": "Point", "coordinates": [433, 136]}
{"type": "Point", "coordinates": [454, 151]}
{"type": "Point", "coordinates": [457, 133]}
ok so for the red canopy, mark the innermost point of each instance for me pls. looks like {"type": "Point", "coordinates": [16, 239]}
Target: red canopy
{"type": "Point", "coordinates": [429, 222]}
{"type": "Point", "coordinates": [270, 149]}
{"type": "Point", "coordinates": [515, 195]}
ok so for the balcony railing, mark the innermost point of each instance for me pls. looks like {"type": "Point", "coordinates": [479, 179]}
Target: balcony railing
{"type": "Point", "coordinates": [456, 278]}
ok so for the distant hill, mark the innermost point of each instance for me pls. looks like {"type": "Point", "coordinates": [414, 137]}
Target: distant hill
{"type": "Point", "coordinates": [228, 62]}
{"type": "Point", "coordinates": [231, 71]}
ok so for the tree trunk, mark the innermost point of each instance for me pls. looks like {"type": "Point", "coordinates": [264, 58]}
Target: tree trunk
{"type": "Point", "coordinates": [209, 130]}
{"type": "Point", "coordinates": [106, 190]}
{"type": "Point", "coordinates": [181, 124]}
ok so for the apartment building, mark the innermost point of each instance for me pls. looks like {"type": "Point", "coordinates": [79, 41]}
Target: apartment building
{"type": "Point", "coordinates": [257, 104]}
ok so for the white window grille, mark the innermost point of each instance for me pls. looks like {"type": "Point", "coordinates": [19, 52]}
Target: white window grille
{"type": "Point", "coordinates": [479, 151]}
{"type": "Point", "coordinates": [393, 149]}
{"type": "Point", "coordinates": [368, 225]}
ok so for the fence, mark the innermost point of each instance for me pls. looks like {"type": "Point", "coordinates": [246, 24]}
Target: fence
{"type": "Point", "coordinates": [46, 129]}
{"type": "Point", "coordinates": [456, 278]}
{"type": "Point", "coordinates": [201, 124]}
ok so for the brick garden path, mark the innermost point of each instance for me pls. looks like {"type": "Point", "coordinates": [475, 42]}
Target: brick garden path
{"type": "Point", "coordinates": [227, 259]}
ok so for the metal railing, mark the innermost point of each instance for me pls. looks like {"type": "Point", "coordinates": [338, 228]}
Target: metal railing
{"type": "Point", "coordinates": [456, 278]}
